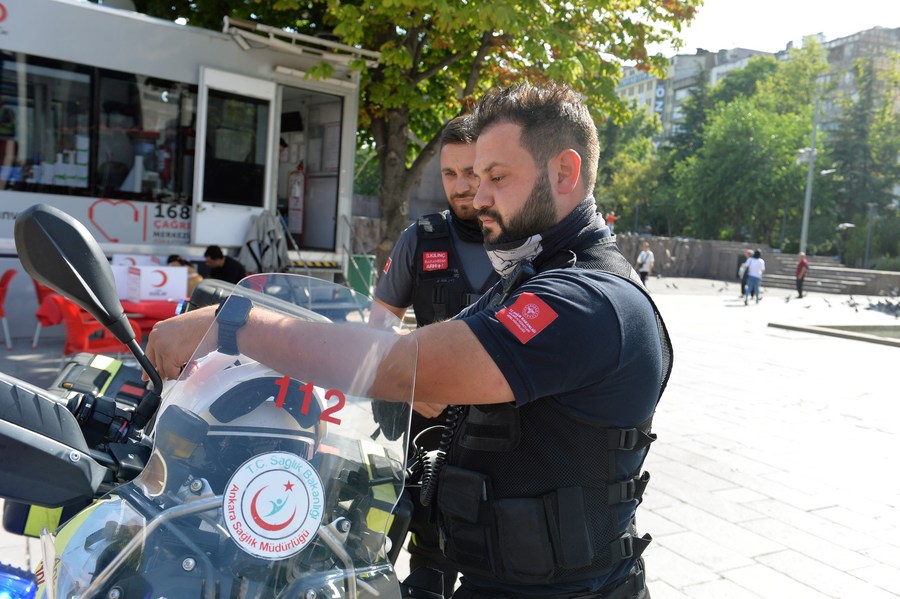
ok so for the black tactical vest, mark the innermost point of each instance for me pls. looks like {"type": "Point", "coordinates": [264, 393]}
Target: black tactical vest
{"type": "Point", "coordinates": [442, 288]}
{"type": "Point", "coordinates": [529, 495]}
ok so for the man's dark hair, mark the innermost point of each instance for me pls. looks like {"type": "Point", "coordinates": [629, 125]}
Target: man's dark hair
{"type": "Point", "coordinates": [458, 131]}
{"type": "Point", "coordinates": [553, 118]}
{"type": "Point", "coordinates": [214, 252]}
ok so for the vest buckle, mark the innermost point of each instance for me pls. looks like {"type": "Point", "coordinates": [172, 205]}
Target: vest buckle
{"type": "Point", "coordinates": [628, 438]}
{"type": "Point", "coordinates": [625, 546]}
{"type": "Point", "coordinates": [622, 491]}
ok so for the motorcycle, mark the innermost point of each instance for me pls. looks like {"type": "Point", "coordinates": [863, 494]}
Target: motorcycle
{"type": "Point", "coordinates": [234, 480]}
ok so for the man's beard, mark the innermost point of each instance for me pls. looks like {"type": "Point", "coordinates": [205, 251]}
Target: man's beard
{"type": "Point", "coordinates": [466, 212]}
{"type": "Point", "coordinates": [537, 215]}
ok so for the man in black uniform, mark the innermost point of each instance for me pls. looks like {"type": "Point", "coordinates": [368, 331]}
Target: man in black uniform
{"type": "Point", "coordinates": [439, 266]}
{"type": "Point", "coordinates": [223, 267]}
{"type": "Point", "coordinates": [554, 374]}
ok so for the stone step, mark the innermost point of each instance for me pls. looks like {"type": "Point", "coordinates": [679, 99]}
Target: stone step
{"type": "Point", "coordinates": [814, 283]}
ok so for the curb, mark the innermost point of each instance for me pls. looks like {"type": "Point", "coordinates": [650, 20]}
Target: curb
{"type": "Point", "coordinates": [838, 333]}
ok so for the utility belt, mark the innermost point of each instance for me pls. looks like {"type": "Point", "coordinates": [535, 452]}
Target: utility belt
{"type": "Point", "coordinates": [530, 540]}
{"type": "Point", "coordinates": [631, 588]}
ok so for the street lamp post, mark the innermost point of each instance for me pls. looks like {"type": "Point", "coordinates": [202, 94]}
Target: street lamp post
{"type": "Point", "coordinates": [811, 165]}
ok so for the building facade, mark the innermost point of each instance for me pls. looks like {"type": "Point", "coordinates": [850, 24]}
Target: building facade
{"type": "Point", "coordinates": [665, 97]}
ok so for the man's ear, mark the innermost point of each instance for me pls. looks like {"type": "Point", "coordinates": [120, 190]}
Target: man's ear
{"type": "Point", "coordinates": [565, 171]}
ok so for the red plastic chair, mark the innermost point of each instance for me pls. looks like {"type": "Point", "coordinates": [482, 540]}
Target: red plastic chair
{"type": "Point", "coordinates": [81, 330]}
{"type": "Point", "coordinates": [42, 292]}
{"type": "Point", "coordinates": [4, 287]}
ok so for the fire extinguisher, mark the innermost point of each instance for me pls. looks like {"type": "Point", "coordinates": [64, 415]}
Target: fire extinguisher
{"type": "Point", "coordinates": [296, 193]}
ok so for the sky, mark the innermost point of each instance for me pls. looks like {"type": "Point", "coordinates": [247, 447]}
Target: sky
{"type": "Point", "coordinates": [768, 25]}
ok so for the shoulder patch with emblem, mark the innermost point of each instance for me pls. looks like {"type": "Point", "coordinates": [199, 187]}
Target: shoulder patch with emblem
{"type": "Point", "coordinates": [387, 265]}
{"type": "Point", "coordinates": [527, 317]}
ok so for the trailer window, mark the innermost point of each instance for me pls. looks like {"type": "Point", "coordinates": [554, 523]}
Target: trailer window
{"type": "Point", "coordinates": [237, 145]}
{"type": "Point", "coordinates": [44, 125]}
{"type": "Point", "coordinates": [71, 129]}
{"type": "Point", "coordinates": [145, 138]}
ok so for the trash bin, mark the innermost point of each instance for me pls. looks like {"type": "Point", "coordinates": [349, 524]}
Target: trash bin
{"type": "Point", "coordinates": [361, 275]}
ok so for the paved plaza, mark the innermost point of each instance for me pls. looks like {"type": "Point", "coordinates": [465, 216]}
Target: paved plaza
{"type": "Point", "coordinates": [773, 475]}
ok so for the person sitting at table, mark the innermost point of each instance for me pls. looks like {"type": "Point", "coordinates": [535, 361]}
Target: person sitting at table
{"type": "Point", "coordinates": [223, 267]}
{"type": "Point", "coordinates": [193, 278]}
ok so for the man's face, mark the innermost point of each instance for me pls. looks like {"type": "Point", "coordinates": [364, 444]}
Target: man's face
{"type": "Point", "coordinates": [460, 182]}
{"type": "Point", "coordinates": [514, 198]}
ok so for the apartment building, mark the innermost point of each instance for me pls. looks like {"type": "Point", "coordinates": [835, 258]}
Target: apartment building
{"type": "Point", "coordinates": [666, 96]}
{"type": "Point", "coordinates": [877, 44]}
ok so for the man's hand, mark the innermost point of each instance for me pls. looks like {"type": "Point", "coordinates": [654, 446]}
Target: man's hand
{"type": "Point", "coordinates": [173, 341]}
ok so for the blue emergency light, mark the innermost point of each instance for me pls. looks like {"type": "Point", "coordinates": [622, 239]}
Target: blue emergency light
{"type": "Point", "coordinates": [16, 583]}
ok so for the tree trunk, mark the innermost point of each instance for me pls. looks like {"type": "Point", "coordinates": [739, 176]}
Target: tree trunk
{"type": "Point", "coordinates": [392, 145]}
{"type": "Point", "coordinates": [392, 141]}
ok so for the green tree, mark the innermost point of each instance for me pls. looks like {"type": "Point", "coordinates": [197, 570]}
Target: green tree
{"type": "Point", "coordinates": [735, 176]}
{"type": "Point", "coordinates": [851, 147]}
{"type": "Point", "coordinates": [437, 57]}
{"type": "Point", "coordinates": [633, 180]}
{"type": "Point", "coordinates": [794, 86]}
{"type": "Point", "coordinates": [864, 150]}
{"type": "Point", "coordinates": [762, 80]}
{"type": "Point", "coordinates": [689, 137]}
{"type": "Point", "coordinates": [743, 83]}
{"type": "Point", "coordinates": [744, 173]}
{"type": "Point", "coordinates": [616, 138]}
{"type": "Point", "coordinates": [366, 175]}
{"type": "Point", "coordinates": [738, 83]}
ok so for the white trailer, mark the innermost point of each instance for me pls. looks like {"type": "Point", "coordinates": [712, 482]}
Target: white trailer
{"type": "Point", "coordinates": [163, 139]}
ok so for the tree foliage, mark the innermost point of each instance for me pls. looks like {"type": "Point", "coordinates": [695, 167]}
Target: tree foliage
{"type": "Point", "coordinates": [733, 165]}
{"type": "Point", "coordinates": [739, 83]}
{"type": "Point", "coordinates": [864, 151]}
{"type": "Point", "coordinates": [744, 173]}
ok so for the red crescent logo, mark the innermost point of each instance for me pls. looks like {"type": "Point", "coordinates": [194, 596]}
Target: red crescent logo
{"type": "Point", "coordinates": [164, 276]}
{"type": "Point", "coordinates": [262, 523]}
{"type": "Point", "coordinates": [2, 13]}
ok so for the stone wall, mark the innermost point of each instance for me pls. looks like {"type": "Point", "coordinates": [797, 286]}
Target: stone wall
{"type": "Point", "coordinates": [705, 259]}
{"type": "Point", "coordinates": [684, 257]}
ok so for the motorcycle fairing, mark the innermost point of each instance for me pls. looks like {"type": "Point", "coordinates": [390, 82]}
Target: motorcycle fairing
{"type": "Point", "coordinates": [214, 514]}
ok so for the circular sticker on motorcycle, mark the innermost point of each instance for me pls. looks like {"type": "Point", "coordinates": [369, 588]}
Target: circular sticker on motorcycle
{"type": "Point", "coordinates": [273, 505]}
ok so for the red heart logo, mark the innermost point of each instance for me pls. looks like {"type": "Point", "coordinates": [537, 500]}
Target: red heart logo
{"type": "Point", "coordinates": [135, 215]}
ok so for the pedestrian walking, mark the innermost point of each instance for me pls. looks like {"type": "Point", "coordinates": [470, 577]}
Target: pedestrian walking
{"type": "Point", "coordinates": [800, 273]}
{"type": "Point", "coordinates": [742, 270]}
{"type": "Point", "coordinates": [645, 263]}
{"type": "Point", "coordinates": [755, 267]}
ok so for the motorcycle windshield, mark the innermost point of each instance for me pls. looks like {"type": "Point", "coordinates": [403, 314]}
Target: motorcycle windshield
{"type": "Point", "coordinates": [262, 482]}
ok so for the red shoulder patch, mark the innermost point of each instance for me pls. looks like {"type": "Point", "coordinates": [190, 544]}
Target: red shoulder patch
{"type": "Point", "coordinates": [387, 266]}
{"type": "Point", "coordinates": [435, 261]}
{"type": "Point", "coordinates": [527, 317]}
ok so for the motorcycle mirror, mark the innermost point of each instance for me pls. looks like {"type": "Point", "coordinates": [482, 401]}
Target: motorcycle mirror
{"type": "Point", "coordinates": [59, 252]}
